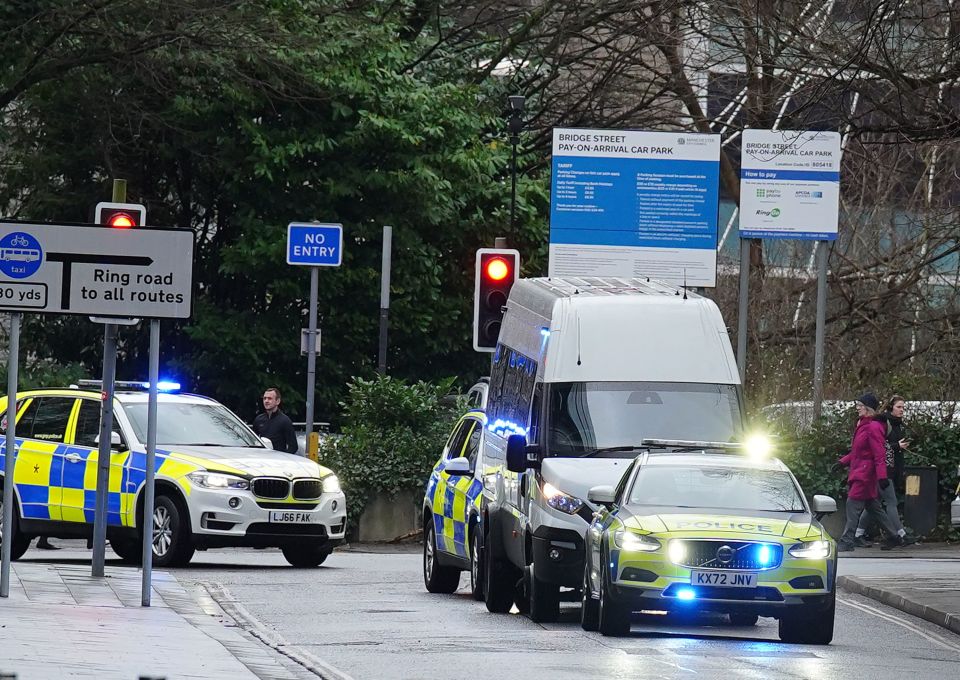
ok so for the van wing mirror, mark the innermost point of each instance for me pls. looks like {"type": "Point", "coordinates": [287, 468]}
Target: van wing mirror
{"type": "Point", "coordinates": [823, 505]}
{"type": "Point", "coordinates": [602, 495]}
{"type": "Point", "coordinates": [519, 454]}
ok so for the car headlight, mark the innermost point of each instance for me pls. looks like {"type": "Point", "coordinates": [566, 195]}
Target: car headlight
{"type": "Point", "coordinates": [811, 550]}
{"type": "Point", "coordinates": [631, 542]}
{"type": "Point", "coordinates": [217, 480]}
{"type": "Point", "coordinates": [558, 500]}
{"type": "Point", "coordinates": [331, 484]}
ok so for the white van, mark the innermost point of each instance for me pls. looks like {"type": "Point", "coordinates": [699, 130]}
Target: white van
{"type": "Point", "coordinates": [588, 373]}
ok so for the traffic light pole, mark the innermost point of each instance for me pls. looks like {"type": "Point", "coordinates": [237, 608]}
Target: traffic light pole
{"type": "Point", "coordinates": [104, 449]}
{"type": "Point", "coordinates": [9, 458]}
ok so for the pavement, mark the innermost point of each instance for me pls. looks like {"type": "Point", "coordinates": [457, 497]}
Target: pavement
{"type": "Point", "coordinates": [934, 597]}
{"type": "Point", "coordinates": [60, 622]}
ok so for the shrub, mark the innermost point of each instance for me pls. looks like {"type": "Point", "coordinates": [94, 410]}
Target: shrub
{"type": "Point", "coordinates": [392, 436]}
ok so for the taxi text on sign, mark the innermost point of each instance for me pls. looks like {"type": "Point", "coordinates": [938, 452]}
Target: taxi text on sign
{"type": "Point", "coordinates": [315, 245]}
{"type": "Point", "coordinates": [95, 270]}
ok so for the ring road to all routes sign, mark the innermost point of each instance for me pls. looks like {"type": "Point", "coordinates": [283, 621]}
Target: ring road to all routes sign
{"type": "Point", "coordinates": [314, 245]}
{"type": "Point", "coordinates": [96, 270]}
{"type": "Point", "coordinates": [633, 203]}
{"type": "Point", "coordinates": [789, 184]}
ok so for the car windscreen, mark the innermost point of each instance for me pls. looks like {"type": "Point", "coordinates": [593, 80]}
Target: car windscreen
{"type": "Point", "coordinates": [586, 416]}
{"type": "Point", "coordinates": [183, 424]}
{"type": "Point", "coordinates": [720, 488]}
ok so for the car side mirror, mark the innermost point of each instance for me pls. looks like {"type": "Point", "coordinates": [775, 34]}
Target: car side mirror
{"type": "Point", "coordinates": [266, 442]}
{"type": "Point", "coordinates": [519, 454]}
{"type": "Point", "coordinates": [116, 441]}
{"type": "Point", "coordinates": [457, 467]}
{"type": "Point", "coordinates": [602, 495]}
{"type": "Point", "coordinates": [823, 505]}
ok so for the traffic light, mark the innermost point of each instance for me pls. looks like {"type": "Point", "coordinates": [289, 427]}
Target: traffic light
{"type": "Point", "coordinates": [121, 215]}
{"type": "Point", "coordinates": [496, 271]}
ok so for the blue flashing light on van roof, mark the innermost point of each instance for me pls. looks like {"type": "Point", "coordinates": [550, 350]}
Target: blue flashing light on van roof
{"type": "Point", "coordinates": [502, 427]}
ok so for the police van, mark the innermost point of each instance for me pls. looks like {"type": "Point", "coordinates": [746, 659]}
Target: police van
{"type": "Point", "coordinates": [587, 374]}
{"type": "Point", "coordinates": [217, 483]}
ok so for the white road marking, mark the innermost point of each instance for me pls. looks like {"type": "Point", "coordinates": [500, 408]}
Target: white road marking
{"type": "Point", "coordinates": [892, 618]}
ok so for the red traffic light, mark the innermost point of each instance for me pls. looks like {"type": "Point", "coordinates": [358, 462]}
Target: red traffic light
{"type": "Point", "coordinates": [498, 269]}
{"type": "Point", "coordinates": [121, 220]}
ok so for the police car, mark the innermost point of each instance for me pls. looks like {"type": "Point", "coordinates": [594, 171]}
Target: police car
{"type": "Point", "coordinates": [714, 532]}
{"type": "Point", "coordinates": [451, 511]}
{"type": "Point", "coordinates": [217, 483]}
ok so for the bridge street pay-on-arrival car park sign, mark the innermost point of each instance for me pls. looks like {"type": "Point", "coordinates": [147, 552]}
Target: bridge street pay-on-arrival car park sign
{"type": "Point", "coordinates": [96, 270]}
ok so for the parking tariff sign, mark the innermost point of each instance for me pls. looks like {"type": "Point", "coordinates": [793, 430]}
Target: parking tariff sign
{"type": "Point", "coordinates": [314, 245]}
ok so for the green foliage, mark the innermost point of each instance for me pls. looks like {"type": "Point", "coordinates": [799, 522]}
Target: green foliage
{"type": "Point", "coordinates": [810, 453]}
{"type": "Point", "coordinates": [392, 437]}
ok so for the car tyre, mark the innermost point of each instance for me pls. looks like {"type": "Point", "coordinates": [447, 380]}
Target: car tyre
{"type": "Point", "coordinates": [307, 556]}
{"type": "Point", "coordinates": [544, 597]}
{"type": "Point", "coordinates": [19, 542]}
{"type": "Point", "coordinates": [743, 619]}
{"type": "Point", "coordinates": [812, 626]}
{"type": "Point", "coordinates": [436, 577]}
{"type": "Point", "coordinates": [613, 617]}
{"type": "Point", "coordinates": [499, 586]}
{"type": "Point", "coordinates": [589, 607]}
{"type": "Point", "coordinates": [172, 542]}
{"type": "Point", "coordinates": [476, 565]}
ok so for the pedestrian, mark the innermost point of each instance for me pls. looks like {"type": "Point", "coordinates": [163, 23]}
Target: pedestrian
{"type": "Point", "coordinates": [867, 468]}
{"type": "Point", "coordinates": [45, 544]}
{"type": "Point", "coordinates": [895, 444]}
{"type": "Point", "coordinates": [274, 423]}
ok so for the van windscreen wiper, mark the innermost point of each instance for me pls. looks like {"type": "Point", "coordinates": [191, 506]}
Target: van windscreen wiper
{"type": "Point", "coordinates": [609, 449]}
{"type": "Point", "coordinates": [691, 444]}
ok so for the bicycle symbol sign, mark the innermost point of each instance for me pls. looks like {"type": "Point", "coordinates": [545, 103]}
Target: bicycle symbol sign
{"type": "Point", "coordinates": [20, 255]}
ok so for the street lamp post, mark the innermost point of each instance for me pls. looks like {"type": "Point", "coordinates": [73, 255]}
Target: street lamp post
{"type": "Point", "coordinates": [515, 125]}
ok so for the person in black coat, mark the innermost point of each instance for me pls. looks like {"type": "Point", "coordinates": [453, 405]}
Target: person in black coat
{"type": "Point", "coordinates": [274, 423]}
{"type": "Point", "coordinates": [896, 443]}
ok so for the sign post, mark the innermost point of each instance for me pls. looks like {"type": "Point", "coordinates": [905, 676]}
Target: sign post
{"type": "Point", "coordinates": [790, 189]}
{"type": "Point", "coordinates": [635, 204]}
{"type": "Point", "coordinates": [313, 245]}
{"type": "Point", "coordinates": [9, 460]}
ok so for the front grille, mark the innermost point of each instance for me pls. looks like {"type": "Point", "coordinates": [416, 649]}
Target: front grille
{"type": "Point", "coordinates": [758, 594]}
{"type": "Point", "coordinates": [305, 489]}
{"type": "Point", "coordinates": [271, 487]}
{"type": "Point", "coordinates": [272, 505]}
{"type": "Point", "coordinates": [277, 529]}
{"type": "Point", "coordinates": [715, 554]}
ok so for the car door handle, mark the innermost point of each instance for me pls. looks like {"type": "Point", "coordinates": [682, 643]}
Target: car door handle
{"type": "Point", "coordinates": [73, 457]}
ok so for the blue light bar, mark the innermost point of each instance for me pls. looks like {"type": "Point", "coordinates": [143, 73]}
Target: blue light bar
{"type": "Point", "coordinates": [764, 555]}
{"type": "Point", "coordinates": [168, 386]}
{"type": "Point", "coordinates": [686, 594]}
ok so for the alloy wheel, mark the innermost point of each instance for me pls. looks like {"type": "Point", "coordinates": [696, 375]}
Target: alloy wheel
{"type": "Point", "coordinates": [162, 531]}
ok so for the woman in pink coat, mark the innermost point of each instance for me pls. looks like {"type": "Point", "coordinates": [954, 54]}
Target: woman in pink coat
{"type": "Point", "coordinates": [868, 465]}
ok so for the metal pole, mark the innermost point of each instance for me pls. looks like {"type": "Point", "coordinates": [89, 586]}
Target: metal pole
{"type": "Point", "coordinates": [822, 255]}
{"type": "Point", "coordinates": [385, 298]}
{"type": "Point", "coordinates": [8, 459]}
{"type": "Point", "coordinates": [513, 186]}
{"type": "Point", "coordinates": [146, 521]}
{"type": "Point", "coordinates": [742, 309]}
{"type": "Point", "coordinates": [103, 460]}
{"type": "Point", "coordinates": [311, 347]}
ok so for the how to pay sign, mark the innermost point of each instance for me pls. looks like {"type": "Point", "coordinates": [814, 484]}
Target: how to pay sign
{"type": "Point", "coordinates": [95, 270]}
{"type": "Point", "coordinates": [315, 245]}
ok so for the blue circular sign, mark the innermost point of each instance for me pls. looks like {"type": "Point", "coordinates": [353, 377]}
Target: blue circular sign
{"type": "Point", "coordinates": [20, 255]}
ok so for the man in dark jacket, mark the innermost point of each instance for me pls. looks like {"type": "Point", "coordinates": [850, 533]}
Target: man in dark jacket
{"type": "Point", "coordinates": [274, 423]}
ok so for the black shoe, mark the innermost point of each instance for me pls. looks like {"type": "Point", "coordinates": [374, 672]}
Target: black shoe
{"type": "Point", "coordinates": [844, 547]}
{"type": "Point", "coordinates": [862, 542]}
{"type": "Point", "coordinates": [891, 543]}
{"type": "Point", "coordinates": [45, 544]}
{"type": "Point", "coordinates": [909, 540]}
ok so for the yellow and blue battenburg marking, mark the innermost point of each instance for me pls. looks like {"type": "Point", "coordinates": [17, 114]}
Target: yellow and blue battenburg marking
{"type": "Point", "coordinates": [451, 501]}
{"type": "Point", "coordinates": [51, 488]}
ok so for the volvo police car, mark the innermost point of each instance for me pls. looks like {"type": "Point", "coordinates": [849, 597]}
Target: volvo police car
{"type": "Point", "coordinates": [451, 511]}
{"type": "Point", "coordinates": [710, 532]}
{"type": "Point", "coordinates": [217, 483]}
